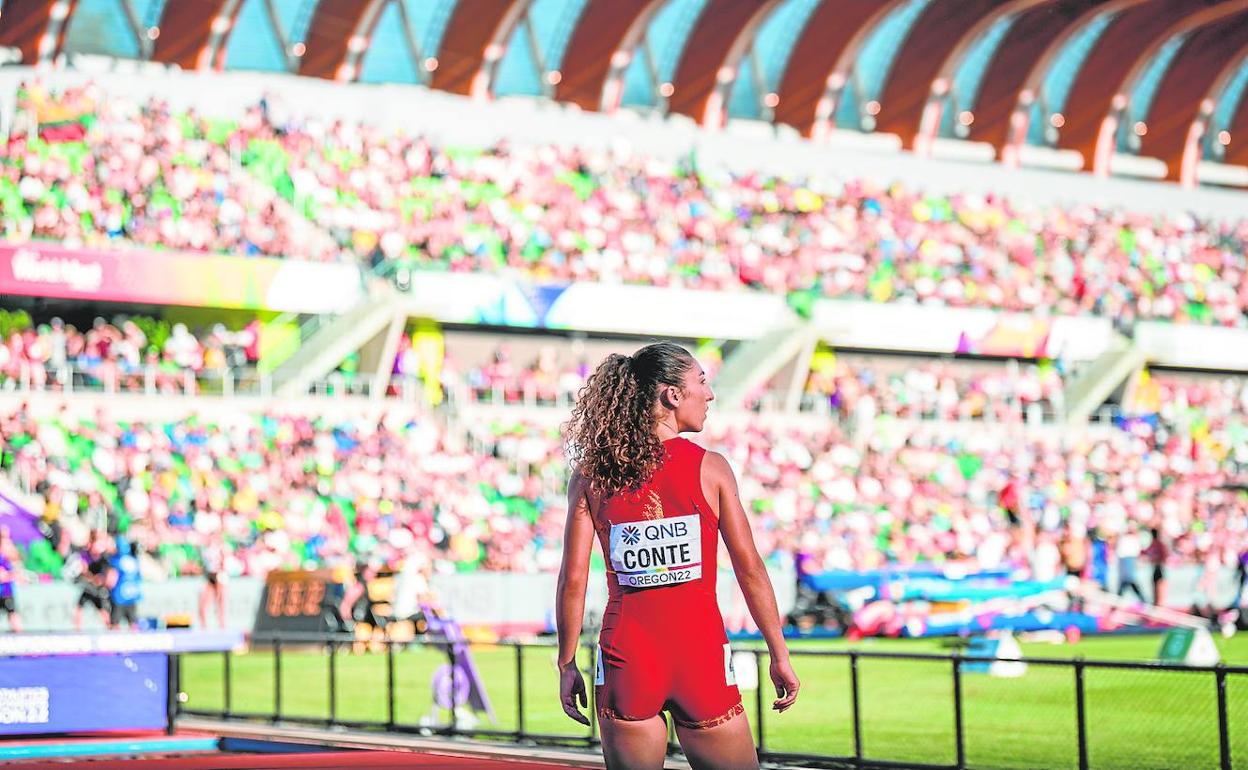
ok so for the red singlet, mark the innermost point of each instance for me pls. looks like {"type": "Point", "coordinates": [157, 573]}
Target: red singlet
{"type": "Point", "coordinates": [663, 645]}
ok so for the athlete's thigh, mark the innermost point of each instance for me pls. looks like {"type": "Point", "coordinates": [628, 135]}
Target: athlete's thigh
{"type": "Point", "coordinates": [633, 745]}
{"type": "Point", "coordinates": [726, 746]}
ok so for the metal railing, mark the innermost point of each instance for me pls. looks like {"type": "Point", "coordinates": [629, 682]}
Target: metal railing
{"type": "Point", "coordinates": [148, 379]}
{"type": "Point", "coordinates": [967, 700]}
{"type": "Point", "coordinates": [227, 382]}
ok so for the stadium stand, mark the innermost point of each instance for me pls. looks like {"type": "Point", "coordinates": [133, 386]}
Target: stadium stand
{"type": "Point", "coordinates": [485, 493]}
{"type": "Point", "coordinates": [317, 190]}
{"type": "Point", "coordinates": [135, 354]}
{"type": "Point", "coordinates": [93, 170]}
{"type": "Point", "coordinates": [892, 475]}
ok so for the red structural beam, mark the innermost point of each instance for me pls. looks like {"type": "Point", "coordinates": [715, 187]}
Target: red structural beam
{"type": "Point", "coordinates": [1022, 47]}
{"type": "Point", "coordinates": [1194, 145]}
{"type": "Point", "coordinates": [186, 32]}
{"type": "Point", "coordinates": [22, 24]}
{"type": "Point", "coordinates": [1091, 96]}
{"type": "Point", "coordinates": [334, 23]}
{"type": "Point", "coordinates": [1237, 150]}
{"type": "Point", "coordinates": [598, 35]}
{"type": "Point", "coordinates": [931, 40]}
{"type": "Point", "coordinates": [828, 33]}
{"type": "Point", "coordinates": [705, 50]}
{"type": "Point", "coordinates": [468, 34]}
{"type": "Point", "coordinates": [1176, 104]}
{"type": "Point", "coordinates": [1032, 89]}
{"type": "Point", "coordinates": [715, 114]}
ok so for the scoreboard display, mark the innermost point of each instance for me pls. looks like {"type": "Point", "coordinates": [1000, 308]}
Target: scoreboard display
{"type": "Point", "coordinates": [299, 601]}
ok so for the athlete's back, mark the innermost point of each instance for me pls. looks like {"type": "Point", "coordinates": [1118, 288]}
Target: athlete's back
{"type": "Point", "coordinates": [663, 643]}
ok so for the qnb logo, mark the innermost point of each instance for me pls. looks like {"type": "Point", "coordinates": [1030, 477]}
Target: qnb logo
{"type": "Point", "coordinates": [631, 535]}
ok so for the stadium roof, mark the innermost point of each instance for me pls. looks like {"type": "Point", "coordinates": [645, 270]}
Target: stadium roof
{"type": "Point", "coordinates": [1156, 78]}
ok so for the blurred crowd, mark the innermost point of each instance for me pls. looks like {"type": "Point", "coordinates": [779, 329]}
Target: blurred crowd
{"type": "Point", "coordinates": [128, 353]}
{"type": "Point", "coordinates": [854, 390]}
{"type": "Point", "coordinates": [269, 491]}
{"type": "Point", "coordinates": [284, 491]}
{"type": "Point", "coordinates": [142, 354]}
{"type": "Point", "coordinates": [859, 391]}
{"type": "Point", "coordinates": [258, 182]}
{"type": "Point", "coordinates": [85, 169]}
{"type": "Point", "coordinates": [255, 492]}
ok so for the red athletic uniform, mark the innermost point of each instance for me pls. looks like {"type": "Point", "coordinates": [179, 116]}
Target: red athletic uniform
{"type": "Point", "coordinates": [663, 645]}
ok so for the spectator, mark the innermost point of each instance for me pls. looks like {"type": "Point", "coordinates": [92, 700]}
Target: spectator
{"type": "Point", "coordinates": [125, 584]}
{"type": "Point", "coordinates": [94, 581]}
{"type": "Point", "coordinates": [9, 565]}
{"type": "Point", "coordinates": [1158, 553]}
{"type": "Point", "coordinates": [213, 594]}
{"type": "Point", "coordinates": [1128, 549]}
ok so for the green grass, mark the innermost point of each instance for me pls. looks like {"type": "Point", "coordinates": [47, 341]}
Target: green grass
{"type": "Point", "coordinates": [1135, 719]}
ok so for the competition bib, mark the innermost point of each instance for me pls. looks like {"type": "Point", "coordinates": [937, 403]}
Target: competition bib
{"type": "Point", "coordinates": [657, 552]}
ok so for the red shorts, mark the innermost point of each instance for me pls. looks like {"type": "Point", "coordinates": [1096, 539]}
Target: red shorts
{"type": "Point", "coordinates": [661, 655]}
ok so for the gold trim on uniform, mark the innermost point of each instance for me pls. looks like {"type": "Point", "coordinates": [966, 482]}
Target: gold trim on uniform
{"type": "Point", "coordinates": [654, 507]}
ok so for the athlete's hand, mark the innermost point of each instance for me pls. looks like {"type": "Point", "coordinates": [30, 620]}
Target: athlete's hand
{"type": "Point", "coordinates": [572, 690]}
{"type": "Point", "coordinates": [786, 683]}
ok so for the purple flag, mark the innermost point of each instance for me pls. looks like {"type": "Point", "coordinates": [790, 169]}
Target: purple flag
{"type": "Point", "coordinates": [22, 524]}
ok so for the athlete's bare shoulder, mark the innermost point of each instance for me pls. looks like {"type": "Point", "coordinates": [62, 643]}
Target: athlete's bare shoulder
{"type": "Point", "coordinates": [716, 466]}
{"type": "Point", "coordinates": [716, 477]}
{"type": "Point", "coordinates": [580, 496]}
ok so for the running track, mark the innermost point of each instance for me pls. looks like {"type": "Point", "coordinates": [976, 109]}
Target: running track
{"type": "Point", "coordinates": [337, 760]}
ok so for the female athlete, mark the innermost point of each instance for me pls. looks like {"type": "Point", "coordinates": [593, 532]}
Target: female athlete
{"type": "Point", "coordinates": [658, 504]}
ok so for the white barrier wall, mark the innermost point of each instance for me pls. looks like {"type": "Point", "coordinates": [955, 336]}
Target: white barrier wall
{"type": "Point", "coordinates": [500, 300]}
{"type": "Point", "coordinates": [1197, 347]}
{"type": "Point", "coordinates": [510, 601]}
{"type": "Point", "coordinates": [50, 606]}
{"type": "Point", "coordinates": [491, 598]}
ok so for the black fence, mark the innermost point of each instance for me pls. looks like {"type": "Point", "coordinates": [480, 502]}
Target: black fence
{"type": "Point", "coordinates": [857, 708]}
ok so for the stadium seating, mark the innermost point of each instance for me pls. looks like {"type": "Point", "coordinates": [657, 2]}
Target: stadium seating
{"type": "Point", "coordinates": [893, 479]}
{"type": "Point", "coordinates": [136, 354]}
{"type": "Point", "coordinates": [311, 189]}
{"type": "Point", "coordinates": [486, 493]}
{"type": "Point", "coordinates": [111, 171]}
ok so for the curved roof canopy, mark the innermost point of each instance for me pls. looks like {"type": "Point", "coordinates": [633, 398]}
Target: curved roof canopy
{"type": "Point", "coordinates": [1162, 78]}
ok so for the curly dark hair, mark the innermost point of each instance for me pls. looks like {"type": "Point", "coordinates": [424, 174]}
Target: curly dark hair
{"type": "Point", "coordinates": [611, 438]}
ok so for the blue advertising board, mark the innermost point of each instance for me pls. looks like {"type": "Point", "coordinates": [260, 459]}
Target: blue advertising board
{"type": "Point", "coordinates": [78, 693]}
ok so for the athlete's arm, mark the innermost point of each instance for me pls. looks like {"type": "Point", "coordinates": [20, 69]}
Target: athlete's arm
{"type": "Point", "coordinates": [578, 539]}
{"type": "Point", "coordinates": [752, 576]}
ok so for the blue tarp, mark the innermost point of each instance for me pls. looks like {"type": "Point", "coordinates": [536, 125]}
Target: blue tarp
{"type": "Point", "coordinates": [845, 580]}
{"type": "Point", "coordinates": [974, 589]}
{"type": "Point", "coordinates": [1028, 621]}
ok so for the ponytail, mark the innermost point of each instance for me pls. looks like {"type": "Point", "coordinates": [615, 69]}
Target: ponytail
{"type": "Point", "coordinates": [611, 437]}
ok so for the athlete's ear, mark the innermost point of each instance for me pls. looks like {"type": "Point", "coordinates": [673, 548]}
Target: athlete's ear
{"type": "Point", "coordinates": [669, 397]}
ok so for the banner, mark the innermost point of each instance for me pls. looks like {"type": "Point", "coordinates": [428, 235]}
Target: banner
{"type": "Point", "coordinates": [503, 300]}
{"type": "Point", "coordinates": [499, 300]}
{"type": "Point", "coordinates": [868, 325]}
{"type": "Point", "coordinates": [64, 694]}
{"type": "Point", "coordinates": [171, 641]}
{"type": "Point", "coordinates": [178, 278]}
